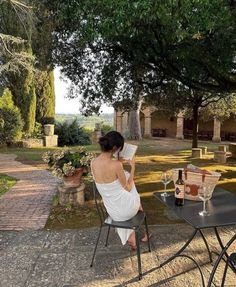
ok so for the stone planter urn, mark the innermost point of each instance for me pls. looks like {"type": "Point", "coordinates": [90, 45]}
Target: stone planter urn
{"type": "Point", "coordinates": [71, 195]}
{"type": "Point", "coordinates": [73, 180]}
{"type": "Point", "coordinates": [48, 130]}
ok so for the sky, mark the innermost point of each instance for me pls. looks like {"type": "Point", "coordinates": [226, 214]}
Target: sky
{"type": "Point", "coordinates": [68, 106]}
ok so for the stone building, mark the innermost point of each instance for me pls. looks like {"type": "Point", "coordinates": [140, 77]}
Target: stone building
{"type": "Point", "coordinates": [158, 124]}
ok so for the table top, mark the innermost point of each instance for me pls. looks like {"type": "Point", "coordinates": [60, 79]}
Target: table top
{"type": "Point", "coordinates": [222, 208]}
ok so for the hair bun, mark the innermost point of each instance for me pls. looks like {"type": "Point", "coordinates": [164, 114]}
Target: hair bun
{"type": "Point", "coordinates": [104, 143]}
{"type": "Point", "coordinates": [112, 141]}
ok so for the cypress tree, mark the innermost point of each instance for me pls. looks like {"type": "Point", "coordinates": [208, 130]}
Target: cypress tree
{"type": "Point", "coordinates": [21, 81]}
{"type": "Point", "coordinates": [44, 77]}
{"type": "Point", "coordinates": [45, 109]}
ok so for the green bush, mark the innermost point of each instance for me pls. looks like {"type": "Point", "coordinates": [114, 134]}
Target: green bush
{"type": "Point", "coordinates": [70, 134]}
{"type": "Point", "coordinates": [11, 123]}
{"type": "Point", "coordinates": [38, 131]}
{"type": "Point", "coordinates": [105, 128]}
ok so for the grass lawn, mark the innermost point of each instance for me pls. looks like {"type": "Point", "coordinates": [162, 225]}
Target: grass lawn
{"type": "Point", "coordinates": [153, 157]}
{"type": "Point", "coordinates": [6, 182]}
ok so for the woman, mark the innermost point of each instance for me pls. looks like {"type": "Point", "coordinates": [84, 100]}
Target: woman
{"type": "Point", "coordinates": [115, 185]}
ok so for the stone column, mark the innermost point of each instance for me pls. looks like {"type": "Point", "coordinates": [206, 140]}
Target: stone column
{"type": "Point", "coordinates": [147, 122]}
{"type": "Point", "coordinates": [119, 121]}
{"type": "Point", "coordinates": [124, 125]}
{"type": "Point", "coordinates": [114, 120]}
{"type": "Point", "coordinates": [216, 132]}
{"type": "Point", "coordinates": [147, 126]}
{"type": "Point", "coordinates": [180, 126]}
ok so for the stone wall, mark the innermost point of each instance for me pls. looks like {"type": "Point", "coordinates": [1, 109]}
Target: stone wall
{"type": "Point", "coordinates": [31, 143]}
{"type": "Point", "coordinates": [164, 122]}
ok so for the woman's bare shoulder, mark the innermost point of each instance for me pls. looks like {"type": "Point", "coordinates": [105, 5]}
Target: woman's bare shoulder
{"type": "Point", "coordinates": [117, 164]}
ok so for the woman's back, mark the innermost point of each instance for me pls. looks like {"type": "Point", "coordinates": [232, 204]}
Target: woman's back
{"type": "Point", "coordinates": [104, 170]}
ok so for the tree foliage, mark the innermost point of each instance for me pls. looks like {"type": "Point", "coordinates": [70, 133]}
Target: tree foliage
{"type": "Point", "coordinates": [11, 123]}
{"type": "Point", "coordinates": [192, 42]}
{"type": "Point", "coordinates": [15, 18]}
{"type": "Point", "coordinates": [42, 49]}
{"type": "Point", "coordinates": [45, 92]}
{"type": "Point", "coordinates": [70, 134]}
{"type": "Point", "coordinates": [222, 109]}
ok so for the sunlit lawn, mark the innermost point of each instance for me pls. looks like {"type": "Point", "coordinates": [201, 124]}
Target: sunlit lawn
{"type": "Point", "coordinates": [6, 182]}
{"type": "Point", "coordinates": [153, 157]}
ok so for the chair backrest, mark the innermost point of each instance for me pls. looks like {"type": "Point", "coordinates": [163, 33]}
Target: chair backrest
{"type": "Point", "coordinates": [102, 212]}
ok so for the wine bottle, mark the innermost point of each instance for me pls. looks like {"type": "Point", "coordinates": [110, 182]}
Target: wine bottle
{"type": "Point", "coordinates": [179, 190]}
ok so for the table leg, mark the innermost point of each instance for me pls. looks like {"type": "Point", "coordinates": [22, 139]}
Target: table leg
{"type": "Point", "coordinates": [198, 266]}
{"type": "Point", "coordinates": [181, 249]}
{"type": "Point", "coordinates": [207, 246]}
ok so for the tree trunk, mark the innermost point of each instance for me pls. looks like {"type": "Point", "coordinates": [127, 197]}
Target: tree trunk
{"type": "Point", "coordinates": [134, 124]}
{"type": "Point", "coordinates": [195, 126]}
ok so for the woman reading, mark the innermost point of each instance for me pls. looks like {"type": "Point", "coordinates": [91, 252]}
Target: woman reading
{"type": "Point", "coordinates": [116, 185]}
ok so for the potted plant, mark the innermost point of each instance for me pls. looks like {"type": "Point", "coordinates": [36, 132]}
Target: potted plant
{"type": "Point", "coordinates": [69, 165]}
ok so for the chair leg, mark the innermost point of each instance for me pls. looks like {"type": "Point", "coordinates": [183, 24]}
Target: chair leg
{"type": "Point", "coordinates": [146, 227]}
{"type": "Point", "coordinates": [108, 232]}
{"type": "Point", "coordinates": [224, 274]}
{"type": "Point", "coordinates": [96, 245]}
{"type": "Point", "coordinates": [138, 255]}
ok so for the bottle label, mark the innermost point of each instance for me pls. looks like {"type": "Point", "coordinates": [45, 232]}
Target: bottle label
{"type": "Point", "coordinates": [179, 191]}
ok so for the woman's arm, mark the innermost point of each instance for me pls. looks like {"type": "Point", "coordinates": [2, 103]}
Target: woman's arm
{"type": "Point", "coordinates": [127, 184]}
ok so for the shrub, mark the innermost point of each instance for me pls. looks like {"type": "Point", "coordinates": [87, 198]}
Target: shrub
{"type": "Point", "coordinates": [70, 134]}
{"type": "Point", "coordinates": [11, 123]}
{"type": "Point", "coordinates": [105, 128]}
{"type": "Point", "coordinates": [38, 131]}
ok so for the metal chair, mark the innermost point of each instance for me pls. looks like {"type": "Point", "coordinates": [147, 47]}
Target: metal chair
{"type": "Point", "coordinates": [134, 223]}
{"type": "Point", "coordinates": [230, 261]}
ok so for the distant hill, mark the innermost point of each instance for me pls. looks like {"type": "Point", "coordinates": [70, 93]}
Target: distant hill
{"type": "Point", "coordinates": [87, 122]}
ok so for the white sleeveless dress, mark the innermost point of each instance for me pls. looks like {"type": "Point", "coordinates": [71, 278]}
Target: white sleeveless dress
{"type": "Point", "coordinates": [120, 204]}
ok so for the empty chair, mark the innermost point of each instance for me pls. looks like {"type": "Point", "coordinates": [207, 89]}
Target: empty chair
{"type": "Point", "coordinates": [230, 261]}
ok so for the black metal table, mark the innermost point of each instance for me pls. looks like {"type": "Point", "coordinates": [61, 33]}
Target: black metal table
{"type": "Point", "coordinates": [222, 208]}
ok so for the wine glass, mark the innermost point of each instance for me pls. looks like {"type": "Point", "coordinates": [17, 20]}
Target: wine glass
{"type": "Point", "coordinates": [166, 178]}
{"type": "Point", "coordinates": [204, 193]}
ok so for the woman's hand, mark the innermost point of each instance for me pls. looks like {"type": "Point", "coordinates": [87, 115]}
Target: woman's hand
{"type": "Point", "coordinates": [132, 162]}
{"type": "Point", "coordinates": [121, 159]}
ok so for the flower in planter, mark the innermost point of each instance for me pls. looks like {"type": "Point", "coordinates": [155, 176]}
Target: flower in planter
{"type": "Point", "coordinates": [65, 162]}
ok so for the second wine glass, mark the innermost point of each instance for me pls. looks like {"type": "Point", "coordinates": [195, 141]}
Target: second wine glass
{"type": "Point", "coordinates": [166, 178]}
{"type": "Point", "coordinates": [204, 193]}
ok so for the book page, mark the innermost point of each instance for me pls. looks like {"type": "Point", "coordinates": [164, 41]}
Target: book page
{"type": "Point", "coordinates": [128, 151]}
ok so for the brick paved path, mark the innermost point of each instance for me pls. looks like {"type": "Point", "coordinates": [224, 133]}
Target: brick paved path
{"type": "Point", "coordinates": [27, 204]}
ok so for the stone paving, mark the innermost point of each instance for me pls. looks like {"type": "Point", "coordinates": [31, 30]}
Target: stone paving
{"type": "Point", "coordinates": [46, 258]}
{"type": "Point", "coordinates": [27, 204]}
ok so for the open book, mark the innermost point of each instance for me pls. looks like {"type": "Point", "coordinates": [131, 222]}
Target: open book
{"type": "Point", "coordinates": [127, 152]}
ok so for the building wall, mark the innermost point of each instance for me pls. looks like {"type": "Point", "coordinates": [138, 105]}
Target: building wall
{"type": "Point", "coordinates": [229, 125]}
{"type": "Point", "coordinates": [161, 121]}
{"type": "Point", "coordinates": [206, 126]}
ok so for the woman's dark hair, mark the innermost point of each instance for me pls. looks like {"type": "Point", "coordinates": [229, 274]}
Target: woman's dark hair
{"type": "Point", "coordinates": [111, 140]}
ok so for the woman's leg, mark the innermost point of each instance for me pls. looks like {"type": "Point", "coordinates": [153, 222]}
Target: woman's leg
{"type": "Point", "coordinates": [140, 207]}
{"type": "Point", "coordinates": [132, 241]}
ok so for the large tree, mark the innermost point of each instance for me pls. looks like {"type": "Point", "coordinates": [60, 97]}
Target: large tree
{"type": "Point", "coordinates": [17, 59]}
{"type": "Point", "coordinates": [42, 49]}
{"type": "Point", "coordinates": [190, 41]}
